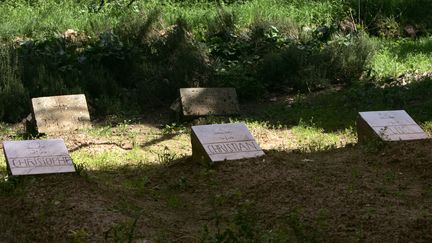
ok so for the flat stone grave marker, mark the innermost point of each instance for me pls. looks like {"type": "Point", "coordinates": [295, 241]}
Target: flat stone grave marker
{"type": "Point", "coordinates": [219, 142]}
{"type": "Point", "coordinates": [209, 101]}
{"type": "Point", "coordinates": [395, 125]}
{"type": "Point", "coordinates": [31, 157]}
{"type": "Point", "coordinates": [61, 113]}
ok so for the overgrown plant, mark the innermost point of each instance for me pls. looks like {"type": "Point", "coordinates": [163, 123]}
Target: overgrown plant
{"type": "Point", "coordinates": [13, 95]}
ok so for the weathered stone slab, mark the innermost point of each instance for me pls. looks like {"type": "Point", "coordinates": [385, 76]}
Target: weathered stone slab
{"type": "Point", "coordinates": [219, 142]}
{"type": "Point", "coordinates": [31, 157]}
{"type": "Point", "coordinates": [394, 125]}
{"type": "Point", "coordinates": [61, 113]}
{"type": "Point", "coordinates": [209, 101]}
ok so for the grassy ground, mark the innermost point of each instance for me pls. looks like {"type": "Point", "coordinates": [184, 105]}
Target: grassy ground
{"type": "Point", "coordinates": [45, 19]}
{"type": "Point", "coordinates": [124, 56]}
{"type": "Point", "coordinates": [137, 181]}
{"type": "Point", "coordinates": [396, 58]}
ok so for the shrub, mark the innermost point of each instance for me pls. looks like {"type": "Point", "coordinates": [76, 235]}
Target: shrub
{"type": "Point", "coordinates": [349, 57]}
{"type": "Point", "coordinates": [314, 65]}
{"type": "Point", "coordinates": [13, 96]}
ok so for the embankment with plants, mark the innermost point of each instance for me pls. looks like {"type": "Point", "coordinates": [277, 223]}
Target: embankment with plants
{"type": "Point", "coordinates": [127, 55]}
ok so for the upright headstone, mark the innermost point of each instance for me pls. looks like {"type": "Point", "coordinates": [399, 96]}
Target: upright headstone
{"type": "Point", "coordinates": [219, 142]}
{"type": "Point", "coordinates": [31, 157]}
{"type": "Point", "coordinates": [394, 125]}
{"type": "Point", "coordinates": [61, 113]}
{"type": "Point", "coordinates": [209, 101]}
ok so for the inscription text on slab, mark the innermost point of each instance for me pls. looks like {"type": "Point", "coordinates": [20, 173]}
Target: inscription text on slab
{"type": "Point", "coordinates": [227, 141]}
{"type": "Point", "coordinates": [37, 157]}
{"type": "Point", "coordinates": [393, 125]}
{"type": "Point", "coordinates": [235, 147]}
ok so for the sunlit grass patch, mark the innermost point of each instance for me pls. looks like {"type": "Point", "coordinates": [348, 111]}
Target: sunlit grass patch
{"type": "Point", "coordinates": [105, 159]}
{"type": "Point", "coordinates": [396, 58]}
{"type": "Point", "coordinates": [3, 166]}
{"type": "Point", "coordinates": [50, 18]}
{"type": "Point", "coordinates": [309, 13]}
{"type": "Point", "coordinates": [99, 131]}
{"type": "Point", "coordinates": [427, 126]}
{"type": "Point", "coordinates": [311, 139]}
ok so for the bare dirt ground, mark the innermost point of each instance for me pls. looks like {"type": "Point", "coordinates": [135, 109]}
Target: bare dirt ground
{"type": "Point", "coordinates": [372, 193]}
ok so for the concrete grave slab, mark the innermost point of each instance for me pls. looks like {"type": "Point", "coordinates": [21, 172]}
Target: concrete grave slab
{"type": "Point", "coordinates": [219, 142]}
{"type": "Point", "coordinates": [209, 101]}
{"type": "Point", "coordinates": [61, 113]}
{"type": "Point", "coordinates": [31, 157]}
{"type": "Point", "coordinates": [395, 125]}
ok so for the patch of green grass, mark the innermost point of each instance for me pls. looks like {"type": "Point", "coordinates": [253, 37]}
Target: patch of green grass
{"type": "Point", "coordinates": [310, 138]}
{"type": "Point", "coordinates": [5, 129]}
{"type": "Point", "coordinates": [427, 126]}
{"type": "Point", "coordinates": [48, 18]}
{"type": "Point", "coordinates": [308, 13]}
{"type": "Point", "coordinates": [400, 57]}
{"type": "Point", "coordinates": [100, 131]}
{"type": "Point", "coordinates": [337, 110]}
{"type": "Point", "coordinates": [2, 164]}
{"type": "Point", "coordinates": [107, 158]}
{"type": "Point", "coordinates": [165, 156]}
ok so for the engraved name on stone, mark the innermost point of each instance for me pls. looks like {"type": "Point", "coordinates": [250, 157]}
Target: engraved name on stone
{"type": "Point", "coordinates": [393, 125]}
{"type": "Point", "coordinates": [46, 161]}
{"type": "Point", "coordinates": [31, 157]}
{"type": "Point", "coordinates": [224, 142]}
{"type": "Point", "coordinates": [235, 147]}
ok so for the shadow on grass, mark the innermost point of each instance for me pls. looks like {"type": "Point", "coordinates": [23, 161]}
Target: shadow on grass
{"type": "Point", "coordinates": [406, 48]}
{"type": "Point", "coordinates": [283, 196]}
{"type": "Point", "coordinates": [160, 139]}
{"type": "Point", "coordinates": [337, 110]}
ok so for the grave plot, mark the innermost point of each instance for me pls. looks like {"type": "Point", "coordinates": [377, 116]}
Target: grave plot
{"type": "Point", "coordinates": [31, 157]}
{"type": "Point", "coordinates": [221, 142]}
{"type": "Point", "coordinates": [208, 101]}
{"type": "Point", "coordinates": [394, 125]}
{"type": "Point", "coordinates": [61, 113]}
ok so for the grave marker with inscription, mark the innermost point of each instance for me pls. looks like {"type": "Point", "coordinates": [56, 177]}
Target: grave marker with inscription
{"type": "Point", "coordinates": [31, 157]}
{"type": "Point", "coordinates": [394, 125]}
{"type": "Point", "coordinates": [209, 101]}
{"type": "Point", "coordinates": [61, 113]}
{"type": "Point", "coordinates": [219, 142]}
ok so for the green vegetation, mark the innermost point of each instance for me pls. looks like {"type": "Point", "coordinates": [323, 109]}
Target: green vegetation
{"type": "Point", "coordinates": [398, 58]}
{"type": "Point", "coordinates": [303, 70]}
{"type": "Point", "coordinates": [129, 53]}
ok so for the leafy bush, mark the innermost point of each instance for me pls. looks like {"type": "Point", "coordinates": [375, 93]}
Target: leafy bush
{"type": "Point", "coordinates": [314, 65]}
{"type": "Point", "coordinates": [126, 56]}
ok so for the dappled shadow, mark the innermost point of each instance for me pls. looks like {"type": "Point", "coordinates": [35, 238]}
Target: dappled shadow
{"type": "Point", "coordinates": [337, 109]}
{"type": "Point", "coordinates": [371, 193]}
{"type": "Point", "coordinates": [406, 12]}
{"type": "Point", "coordinates": [122, 71]}
{"type": "Point", "coordinates": [332, 110]}
{"type": "Point", "coordinates": [160, 139]}
{"type": "Point", "coordinates": [407, 48]}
